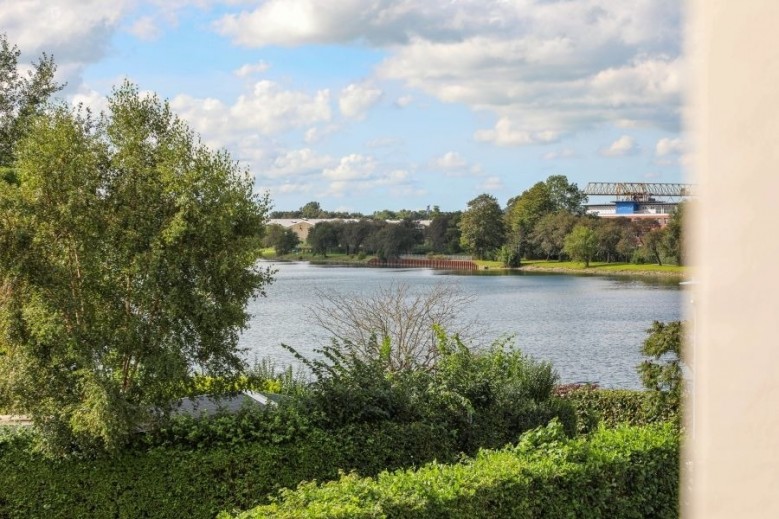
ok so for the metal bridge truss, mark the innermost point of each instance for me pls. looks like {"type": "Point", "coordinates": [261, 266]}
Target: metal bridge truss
{"type": "Point", "coordinates": [639, 191]}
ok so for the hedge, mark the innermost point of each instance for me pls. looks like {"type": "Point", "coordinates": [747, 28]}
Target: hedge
{"type": "Point", "coordinates": [613, 407]}
{"type": "Point", "coordinates": [627, 472]}
{"type": "Point", "coordinates": [183, 482]}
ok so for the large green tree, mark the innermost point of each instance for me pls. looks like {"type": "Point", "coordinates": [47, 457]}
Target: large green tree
{"type": "Point", "coordinates": [481, 226]}
{"type": "Point", "coordinates": [324, 237]}
{"type": "Point", "coordinates": [22, 96]}
{"type": "Point", "coordinates": [581, 244]}
{"type": "Point", "coordinates": [555, 194]}
{"type": "Point", "coordinates": [443, 233]}
{"type": "Point", "coordinates": [673, 243]}
{"type": "Point", "coordinates": [282, 240]}
{"type": "Point", "coordinates": [127, 256]}
{"type": "Point", "coordinates": [564, 195]}
{"type": "Point", "coordinates": [550, 231]}
{"type": "Point", "coordinates": [395, 239]}
{"type": "Point", "coordinates": [522, 214]}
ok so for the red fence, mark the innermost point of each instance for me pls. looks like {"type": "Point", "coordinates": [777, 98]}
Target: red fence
{"type": "Point", "coordinates": [445, 264]}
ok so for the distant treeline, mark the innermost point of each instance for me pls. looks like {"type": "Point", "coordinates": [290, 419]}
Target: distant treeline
{"type": "Point", "coordinates": [547, 221]}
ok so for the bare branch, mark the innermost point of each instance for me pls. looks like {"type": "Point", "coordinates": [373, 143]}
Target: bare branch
{"type": "Point", "coordinates": [405, 316]}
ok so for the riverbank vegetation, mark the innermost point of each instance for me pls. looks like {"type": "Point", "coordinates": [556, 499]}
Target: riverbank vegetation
{"type": "Point", "coordinates": [546, 222]}
{"type": "Point", "coordinates": [362, 418]}
{"type": "Point", "coordinates": [127, 256]}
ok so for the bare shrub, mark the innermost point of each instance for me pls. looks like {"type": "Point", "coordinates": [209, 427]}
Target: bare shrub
{"type": "Point", "coordinates": [397, 322]}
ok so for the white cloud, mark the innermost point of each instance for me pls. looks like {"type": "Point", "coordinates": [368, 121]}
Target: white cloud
{"type": "Point", "coordinates": [145, 28]}
{"type": "Point", "coordinates": [270, 109]}
{"type": "Point", "coordinates": [404, 101]}
{"type": "Point", "coordinates": [506, 134]}
{"type": "Point", "coordinates": [450, 160]}
{"type": "Point", "coordinates": [285, 188]}
{"type": "Point", "coordinates": [319, 133]}
{"type": "Point", "coordinates": [668, 146]}
{"type": "Point", "coordinates": [351, 167]}
{"type": "Point", "coordinates": [267, 109]}
{"type": "Point", "coordinates": [546, 66]}
{"type": "Point", "coordinates": [565, 153]}
{"type": "Point", "coordinates": [491, 184]}
{"type": "Point", "coordinates": [251, 69]}
{"type": "Point", "coordinates": [625, 145]}
{"type": "Point", "coordinates": [357, 173]}
{"type": "Point", "coordinates": [296, 163]}
{"type": "Point", "coordinates": [89, 98]}
{"type": "Point", "coordinates": [76, 33]}
{"type": "Point", "coordinates": [355, 100]}
{"type": "Point", "coordinates": [251, 124]}
{"type": "Point", "coordinates": [383, 142]}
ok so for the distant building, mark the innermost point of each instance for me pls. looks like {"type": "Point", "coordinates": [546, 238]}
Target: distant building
{"type": "Point", "coordinates": [302, 226]}
{"type": "Point", "coordinates": [637, 200]}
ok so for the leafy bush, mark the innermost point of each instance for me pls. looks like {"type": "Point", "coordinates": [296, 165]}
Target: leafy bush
{"type": "Point", "coordinates": [613, 407]}
{"type": "Point", "coordinates": [624, 472]}
{"type": "Point", "coordinates": [662, 375]}
{"type": "Point", "coordinates": [485, 398]}
{"type": "Point", "coordinates": [179, 481]}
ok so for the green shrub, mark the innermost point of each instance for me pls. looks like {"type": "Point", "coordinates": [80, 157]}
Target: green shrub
{"type": "Point", "coordinates": [626, 472]}
{"type": "Point", "coordinates": [178, 481]}
{"type": "Point", "coordinates": [484, 398]}
{"type": "Point", "coordinates": [613, 407]}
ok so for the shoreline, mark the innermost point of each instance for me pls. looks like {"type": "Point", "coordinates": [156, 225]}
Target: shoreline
{"type": "Point", "coordinates": [595, 271]}
{"type": "Point", "coordinates": [598, 270]}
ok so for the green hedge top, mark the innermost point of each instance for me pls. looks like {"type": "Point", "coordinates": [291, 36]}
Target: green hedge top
{"type": "Point", "coordinates": [623, 472]}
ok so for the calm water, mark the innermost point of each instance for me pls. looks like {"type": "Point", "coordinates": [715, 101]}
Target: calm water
{"type": "Point", "coordinates": [590, 328]}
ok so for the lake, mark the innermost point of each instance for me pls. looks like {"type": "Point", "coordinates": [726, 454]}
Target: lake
{"type": "Point", "coordinates": [591, 328]}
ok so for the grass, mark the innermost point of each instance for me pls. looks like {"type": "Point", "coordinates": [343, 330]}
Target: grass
{"type": "Point", "coordinates": [601, 266]}
{"type": "Point", "coordinates": [486, 264]}
{"type": "Point", "coordinates": [333, 257]}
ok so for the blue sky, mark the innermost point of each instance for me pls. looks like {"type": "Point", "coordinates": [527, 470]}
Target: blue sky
{"type": "Point", "coordinates": [388, 104]}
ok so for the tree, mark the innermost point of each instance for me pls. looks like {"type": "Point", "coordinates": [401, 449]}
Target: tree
{"type": "Point", "coordinates": [395, 239]}
{"type": "Point", "coordinates": [282, 240]}
{"type": "Point", "coordinates": [523, 212]}
{"type": "Point", "coordinates": [443, 234]}
{"type": "Point", "coordinates": [481, 226]}
{"type": "Point", "coordinates": [323, 237]}
{"type": "Point", "coordinates": [311, 210]}
{"type": "Point", "coordinates": [556, 194]}
{"type": "Point", "coordinates": [673, 243]}
{"type": "Point", "coordinates": [355, 234]}
{"type": "Point", "coordinates": [21, 98]}
{"type": "Point", "coordinates": [395, 322]}
{"type": "Point", "coordinates": [550, 231]}
{"type": "Point", "coordinates": [653, 242]}
{"type": "Point", "coordinates": [662, 374]}
{"type": "Point", "coordinates": [581, 244]}
{"type": "Point", "coordinates": [564, 195]}
{"type": "Point", "coordinates": [614, 238]}
{"type": "Point", "coordinates": [127, 256]}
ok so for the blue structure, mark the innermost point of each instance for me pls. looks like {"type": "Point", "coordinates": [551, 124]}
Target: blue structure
{"type": "Point", "coordinates": [626, 207]}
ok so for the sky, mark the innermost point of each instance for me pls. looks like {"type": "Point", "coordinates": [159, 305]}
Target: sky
{"type": "Point", "coordinates": [364, 105]}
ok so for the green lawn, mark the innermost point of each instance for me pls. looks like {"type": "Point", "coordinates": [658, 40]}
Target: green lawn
{"type": "Point", "coordinates": [334, 257]}
{"type": "Point", "coordinates": [485, 264]}
{"type": "Point", "coordinates": [600, 266]}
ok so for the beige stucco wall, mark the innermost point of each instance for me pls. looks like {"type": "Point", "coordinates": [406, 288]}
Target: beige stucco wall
{"type": "Point", "coordinates": [302, 229]}
{"type": "Point", "coordinates": [734, 125]}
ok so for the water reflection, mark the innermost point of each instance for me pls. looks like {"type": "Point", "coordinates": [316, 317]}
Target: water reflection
{"type": "Point", "coordinates": [590, 327]}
